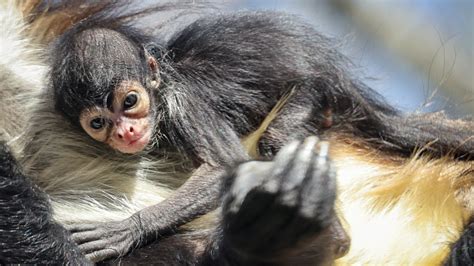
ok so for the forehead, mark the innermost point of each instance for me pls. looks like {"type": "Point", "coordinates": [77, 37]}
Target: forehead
{"type": "Point", "coordinates": [107, 55]}
{"type": "Point", "coordinates": [103, 59]}
{"type": "Point", "coordinates": [105, 44]}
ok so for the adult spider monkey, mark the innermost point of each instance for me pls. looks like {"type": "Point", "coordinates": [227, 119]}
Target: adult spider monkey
{"type": "Point", "coordinates": [222, 73]}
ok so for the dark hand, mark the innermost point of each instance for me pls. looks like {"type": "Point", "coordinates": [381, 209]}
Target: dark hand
{"type": "Point", "coordinates": [101, 241]}
{"type": "Point", "coordinates": [273, 205]}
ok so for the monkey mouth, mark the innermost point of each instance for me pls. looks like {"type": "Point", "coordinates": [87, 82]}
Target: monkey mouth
{"type": "Point", "coordinates": [141, 140]}
{"type": "Point", "coordinates": [136, 145]}
{"type": "Point", "coordinates": [136, 140]}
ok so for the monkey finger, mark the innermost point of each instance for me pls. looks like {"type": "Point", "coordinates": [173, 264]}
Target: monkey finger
{"type": "Point", "coordinates": [314, 210]}
{"type": "Point", "coordinates": [280, 166]}
{"type": "Point", "coordinates": [317, 196]}
{"type": "Point", "coordinates": [89, 247]}
{"type": "Point", "coordinates": [297, 172]}
{"type": "Point", "coordinates": [323, 156]}
{"type": "Point", "coordinates": [80, 227]}
{"type": "Point", "coordinates": [87, 236]}
{"type": "Point", "coordinates": [249, 176]}
{"type": "Point", "coordinates": [102, 254]}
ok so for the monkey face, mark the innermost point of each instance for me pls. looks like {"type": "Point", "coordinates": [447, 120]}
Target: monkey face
{"type": "Point", "coordinates": [126, 125]}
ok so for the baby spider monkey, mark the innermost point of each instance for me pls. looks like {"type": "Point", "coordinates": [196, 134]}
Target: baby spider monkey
{"type": "Point", "coordinates": [261, 79]}
{"type": "Point", "coordinates": [107, 82]}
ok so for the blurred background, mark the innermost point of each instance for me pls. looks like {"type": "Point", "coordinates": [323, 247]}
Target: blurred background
{"type": "Point", "coordinates": [419, 54]}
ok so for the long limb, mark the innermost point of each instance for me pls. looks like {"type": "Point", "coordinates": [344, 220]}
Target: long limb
{"type": "Point", "coordinates": [196, 197]}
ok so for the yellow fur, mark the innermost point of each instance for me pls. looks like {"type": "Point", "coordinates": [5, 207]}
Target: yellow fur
{"type": "Point", "coordinates": [396, 211]}
{"type": "Point", "coordinates": [404, 213]}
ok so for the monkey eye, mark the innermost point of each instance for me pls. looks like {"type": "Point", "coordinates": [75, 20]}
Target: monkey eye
{"type": "Point", "coordinates": [130, 100]}
{"type": "Point", "coordinates": [97, 123]}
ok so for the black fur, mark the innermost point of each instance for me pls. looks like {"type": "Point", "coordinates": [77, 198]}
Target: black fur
{"type": "Point", "coordinates": [286, 204]}
{"type": "Point", "coordinates": [462, 252]}
{"type": "Point", "coordinates": [241, 64]}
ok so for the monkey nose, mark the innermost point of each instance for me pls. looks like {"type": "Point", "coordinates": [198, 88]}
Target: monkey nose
{"type": "Point", "coordinates": [127, 134]}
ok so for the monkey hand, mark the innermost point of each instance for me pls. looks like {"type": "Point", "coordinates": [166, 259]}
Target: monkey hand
{"type": "Point", "coordinates": [101, 241]}
{"type": "Point", "coordinates": [273, 205]}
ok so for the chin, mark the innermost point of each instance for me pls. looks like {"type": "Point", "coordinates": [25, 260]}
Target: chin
{"type": "Point", "coordinates": [130, 150]}
{"type": "Point", "coordinates": [136, 147]}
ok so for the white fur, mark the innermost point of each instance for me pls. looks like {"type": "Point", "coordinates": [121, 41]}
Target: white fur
{"type": "Point", "coordinates": [16, 50]}
{"type": "Point", "coordinates": [21, 74]}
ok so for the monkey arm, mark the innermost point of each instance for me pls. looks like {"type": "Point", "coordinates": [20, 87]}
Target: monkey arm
{"type": "Point", "coordinates": [196, 197]}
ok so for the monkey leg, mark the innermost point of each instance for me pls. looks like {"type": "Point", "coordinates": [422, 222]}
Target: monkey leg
{"type": "Point", "coordinates": [276, 211]}
{"type": "Point", "coordinates": [28, 235]}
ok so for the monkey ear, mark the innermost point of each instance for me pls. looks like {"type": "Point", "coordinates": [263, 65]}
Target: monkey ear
{"type": "Point", "coordinates": [152, 64]}
{"type": "Point", "coordinates": [154, 68]}
{"type": "Point", "coordinates": [152, 54]}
